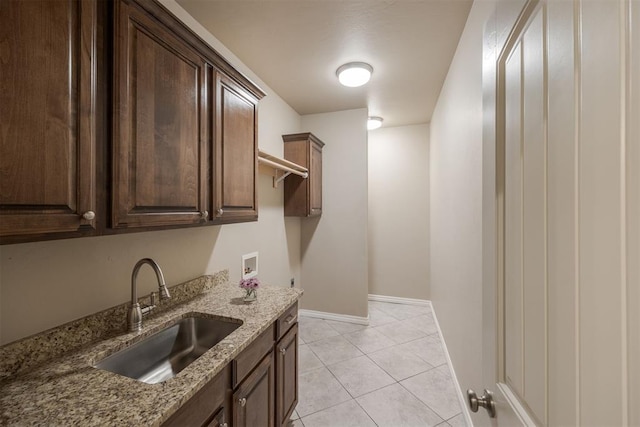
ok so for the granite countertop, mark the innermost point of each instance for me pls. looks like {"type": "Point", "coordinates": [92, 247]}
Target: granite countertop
{"type": "Point", "coordinates": [69, 391]}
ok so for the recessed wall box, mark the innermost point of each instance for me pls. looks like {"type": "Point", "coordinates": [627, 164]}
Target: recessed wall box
{"type": "Point", "coordinates": [250, 265]}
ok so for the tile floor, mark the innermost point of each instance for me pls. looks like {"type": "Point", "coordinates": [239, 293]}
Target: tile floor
{"type": "Point", "coordinates": [390, 373]}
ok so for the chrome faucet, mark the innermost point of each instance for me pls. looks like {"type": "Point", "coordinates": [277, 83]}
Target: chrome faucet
{"type": "Point", "coordinates": [136, 312]}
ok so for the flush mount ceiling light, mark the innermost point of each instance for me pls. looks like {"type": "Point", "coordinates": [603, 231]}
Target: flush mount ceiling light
{"type": "Point", "coordinates": [374, 122]}
{"type": "Point", "coordinates": [354, 74]}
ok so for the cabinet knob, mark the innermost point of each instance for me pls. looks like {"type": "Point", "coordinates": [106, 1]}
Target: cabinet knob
{"type": "Point", "coordinates": [242, 401]}
{"type": "Point", "coordinates": [220, 211]}
{"type": "Point", "coordinates": [204, 215]}
{"type": "Point", "coordinates": [224, 425]}
{"type": "Point", "coordinates": [89, 215]}
{"type": "Point", "coordinates": [283, 350]}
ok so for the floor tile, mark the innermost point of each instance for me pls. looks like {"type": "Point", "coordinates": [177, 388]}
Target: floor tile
{"type": "Point", "coordinates": [333, 350]}
{"type": "Point", "coordinates": [457, 421]}
{"type": "Point", "coordinates": [294, 415]}
{"type": "Point", "coordinates": [348, 414]}
{"type": "Point", "coordinates": [436, 390]}
{"type": "Point", "coordinates": [445, 370]}
{"type": "Point", "coordinates": [395, 406]}
{"type": "Point", "coordinates": [424, 323]}
{"type": "Point", "coordinates": [307, 360]}
{"type": "Point", "coordinates": [318, 390]}
{"type": "Point", "coordinates": [400, 333]}
{"type": "Point", "coordinates": [402, 311]}
{"type": "Point", "coordinates": [369, 340]}
{"type": "Point", "coordinates": [431, 350]}
{"type": "Point", "coordinates": [345, 327]}
{"type": "Point", "coordinates": [296, 423]}
{"type": "Point", "coordinates": [360, 375]}
{"type": "Point", "coordinates": [377, 318]}
{"type": "Point", "coordinates": [315, 329]}
{"type": "Point", "coordinates": [399, 363]}
{"type": "Point", "coordinates": [426, 348]}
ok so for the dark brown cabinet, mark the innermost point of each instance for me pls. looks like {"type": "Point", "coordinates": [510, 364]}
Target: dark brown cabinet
{"type": "Point", "coordinates": [254, 400]}
{"type": "Point", "coordinates": [208, 407]}
{"type": "Point", "coordinates": [236, 152]}
{"type": "Point", "coordinates": [160, 144]}
{"type": "Point", "coordinates": [47, 118]}
{"type": "Point", "coordinates": [303, 197]}
{"type": "Point", "coordinates": [286, 353]}
{"type": "Point", "coordinates": [116, 117]}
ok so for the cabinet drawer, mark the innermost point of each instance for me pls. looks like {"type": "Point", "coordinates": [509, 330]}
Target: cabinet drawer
{"type": "Point", "coordinates": [249, 358]}
{"type": "Point", "coordinates": [287, 320]}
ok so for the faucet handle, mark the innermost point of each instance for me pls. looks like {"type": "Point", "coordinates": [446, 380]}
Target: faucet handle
{"type": "Point", "coordinates": [152, 298]}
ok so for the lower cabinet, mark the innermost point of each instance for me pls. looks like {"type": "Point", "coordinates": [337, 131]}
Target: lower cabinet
{"type": "Point", "coordinates": [209, 407]}
{"type": "Point", "coordinates": [259, 388]}
{"type": "Point", "coordinates": [286, 376]}
{"type": "Point", "coordinates": [253, 401]}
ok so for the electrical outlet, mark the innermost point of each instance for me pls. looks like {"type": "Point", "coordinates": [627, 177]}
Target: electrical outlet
{"type": "Point", "coordinates": [293, 282]}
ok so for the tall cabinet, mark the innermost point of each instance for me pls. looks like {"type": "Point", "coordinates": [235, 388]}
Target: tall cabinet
{"type": "Point", "coordinates": [47, 117]}
{"type": "Point", "coordinates": [303, 196]}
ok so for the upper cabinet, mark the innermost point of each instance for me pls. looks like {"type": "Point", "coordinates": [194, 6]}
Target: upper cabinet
{"type": "Point", "coordinates": [303, 197]}
{"type": "Point", "coordinates": [161, 140]}
{"type": "Point", "coordinates": [236, 152]}
{"type": "Point", "coordinates": [180, 148]}
{"type": "Point", "coordinates": [47, 119]}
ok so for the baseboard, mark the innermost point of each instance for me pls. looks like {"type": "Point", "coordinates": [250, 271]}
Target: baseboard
{"type": "Point", "coordinates": [461, 397]}
{"type": "Point", "coordinates": [399, 300]}
{"type": "Point", "coordinates": [333, 316]}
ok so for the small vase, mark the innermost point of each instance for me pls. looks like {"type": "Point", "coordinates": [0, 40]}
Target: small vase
{"type": "Point", "coordinates": [250, 296]}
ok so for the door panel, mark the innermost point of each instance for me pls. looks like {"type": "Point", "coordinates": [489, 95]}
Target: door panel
{"type": "Point", "coordinates": [514, 323]}
{"type": "Point", "coordinates": [236, 152]}
{"type": "Point", "coordinates": [47, 116]}
{"type": "Point", "coordinates": [632, 127]}
{"type": "Point", "coordinates": [533, 215]}
{"type": "Point", "coordinates": [599, 205]}
{"type": "Point", "coordinates": [568, 222]}
{"type": "Point", "coordinates": [160, 145]}
{"type": "Point", "coordinates": [561, 203]}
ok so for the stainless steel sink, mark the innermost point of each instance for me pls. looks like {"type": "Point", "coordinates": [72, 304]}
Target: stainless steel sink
{"type": "Point", "coordinates": [164, 354]}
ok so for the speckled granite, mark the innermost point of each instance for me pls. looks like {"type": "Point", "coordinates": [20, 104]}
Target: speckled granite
{"type": "Point", "coordinates": [69, 391]}
{"type": "Point", "coordinates": [25, 354]}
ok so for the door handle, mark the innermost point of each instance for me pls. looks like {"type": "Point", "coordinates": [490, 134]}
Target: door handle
{"type": "Point", "coordinates": [486, 401]}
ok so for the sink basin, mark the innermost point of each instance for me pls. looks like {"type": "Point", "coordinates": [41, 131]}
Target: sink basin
{"type": "Point", "coordinates": [162, 355]}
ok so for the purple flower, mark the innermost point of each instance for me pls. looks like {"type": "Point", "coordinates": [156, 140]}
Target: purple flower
{"type": "Point", "coordinates": [252, 283]}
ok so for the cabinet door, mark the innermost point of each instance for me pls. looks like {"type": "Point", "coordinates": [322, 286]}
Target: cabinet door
{"type": "Point", "coordinates": [47, 117]}
{"type": "Point", "coordinates": [315, 180]}
{"type": "Point", "coordinates": [160, 124]}
{"type": "Point", "coordinates": [286, 376]}
{"type": "Point", "coordinates": [208, 406]}
{"type": "Point", "coordinates": [236, 152]}
{"type": "Point", "coordinates": [253, 402]}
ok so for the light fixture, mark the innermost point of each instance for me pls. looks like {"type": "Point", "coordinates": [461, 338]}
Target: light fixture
{"type": "Point", "coordinates": [374, 122]}
{"type": "Point", "coordinates": [354, 74]}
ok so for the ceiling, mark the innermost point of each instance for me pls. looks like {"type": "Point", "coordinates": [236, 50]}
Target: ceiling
{"type": "Point", "coordinates": [295, 46]}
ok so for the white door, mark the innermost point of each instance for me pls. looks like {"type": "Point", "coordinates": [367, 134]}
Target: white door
{"type": "Point", "coordinates": [562, 304]}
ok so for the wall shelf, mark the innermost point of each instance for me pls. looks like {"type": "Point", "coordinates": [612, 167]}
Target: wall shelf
{"type": "Point", "coordinates": [282, 165]}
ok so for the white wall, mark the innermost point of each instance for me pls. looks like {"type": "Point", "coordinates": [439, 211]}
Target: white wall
{"type": "Point", "coordinates": [334, 246]}
{"type": "Point", "coordinates": [399, 211]}
{"type": "Point", "coordinates": [456, 203]}
{"type": "Point", "coordinates": [45, 284]}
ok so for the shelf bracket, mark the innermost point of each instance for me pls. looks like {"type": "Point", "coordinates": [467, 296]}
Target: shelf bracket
{"type": "Point", "coordinates": [283, 165]}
